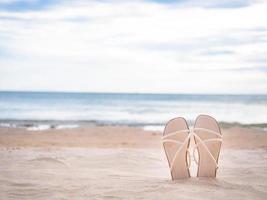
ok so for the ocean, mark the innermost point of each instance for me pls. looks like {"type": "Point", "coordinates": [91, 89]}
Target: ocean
{"type": "Point", "coordinates": [43, 110]}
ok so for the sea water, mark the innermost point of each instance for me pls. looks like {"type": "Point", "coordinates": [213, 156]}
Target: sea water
{"type": "Point", "coordinates": [68, 110]}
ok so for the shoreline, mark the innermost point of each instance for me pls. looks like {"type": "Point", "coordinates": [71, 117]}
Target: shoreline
{"type": "Point", "coordinates": [36, 125]}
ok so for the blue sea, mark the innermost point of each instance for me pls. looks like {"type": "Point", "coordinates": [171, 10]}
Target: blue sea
{"type": "Point", "coordinates": [42, 110]}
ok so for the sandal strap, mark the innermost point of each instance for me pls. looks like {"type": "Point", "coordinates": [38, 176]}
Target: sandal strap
{"type": "Point", "coordinates": [203, 142]}
{"type": "Point", "coordinates": [175, 133]}
{"type": "Point", "coordinates": [191, 133]}
{"type": "Point", "coordinates": [181, 145]}
{"type": "Point", "coordinates": [206, 130]}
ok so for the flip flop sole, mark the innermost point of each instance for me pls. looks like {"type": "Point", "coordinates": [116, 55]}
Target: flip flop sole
{"type": "Point", "coordinates": [208, 145]}
{"type": "Point", "coordinates": [175, 142]}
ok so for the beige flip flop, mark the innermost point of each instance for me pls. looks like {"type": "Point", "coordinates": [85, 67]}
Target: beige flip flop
{"type": "Point", "coordinates": [176, 140]}
{"type": "Point", "coordinates": [208, 139]}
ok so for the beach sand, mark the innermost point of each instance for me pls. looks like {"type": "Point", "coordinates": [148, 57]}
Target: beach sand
{"type": "Point", "coordinates": [123, 163]}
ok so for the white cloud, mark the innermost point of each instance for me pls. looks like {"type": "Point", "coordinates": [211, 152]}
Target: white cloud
{"type": "Point", "coordinates": [220, 3]}
{"type": "Point", "coordinates": [135, 47]}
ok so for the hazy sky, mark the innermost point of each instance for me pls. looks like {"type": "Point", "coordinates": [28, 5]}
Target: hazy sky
{"type": "Point", "coordinates": [209, 46]}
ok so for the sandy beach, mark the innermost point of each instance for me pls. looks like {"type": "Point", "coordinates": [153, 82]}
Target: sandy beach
{"type": "Point", "coordinates": [87, 87]}
{"type": "Point", "coordinates": [123, 163]}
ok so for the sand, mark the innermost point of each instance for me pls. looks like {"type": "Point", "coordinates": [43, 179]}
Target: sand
{"type": "Point", "coordinates": [123, 163]}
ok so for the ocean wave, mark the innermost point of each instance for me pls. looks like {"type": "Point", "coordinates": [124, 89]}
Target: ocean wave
{"type": "Point", "coordinates": [158, 127]}
{"type": "Point", "coordinates": [39, 111]}
{"type": "Point", "coordinates": [34, 126]}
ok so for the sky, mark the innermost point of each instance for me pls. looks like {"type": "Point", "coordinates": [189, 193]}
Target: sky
{"type": "Point", "coordinates": [150, 46]}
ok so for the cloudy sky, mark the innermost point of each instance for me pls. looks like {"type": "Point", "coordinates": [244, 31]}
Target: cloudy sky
{"type": "Point", "coordinates": [184, 46]}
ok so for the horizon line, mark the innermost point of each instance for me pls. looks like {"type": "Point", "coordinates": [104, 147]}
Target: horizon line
{"type": "Point", "coordinates": [151, 93]}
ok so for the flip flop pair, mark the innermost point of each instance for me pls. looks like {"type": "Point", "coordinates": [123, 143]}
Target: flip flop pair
{"type": "Point", "coordinates": [207, 137]}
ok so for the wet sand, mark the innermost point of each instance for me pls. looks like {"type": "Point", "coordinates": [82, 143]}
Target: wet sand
{"type": "Point", "coordinates": [123, 163]}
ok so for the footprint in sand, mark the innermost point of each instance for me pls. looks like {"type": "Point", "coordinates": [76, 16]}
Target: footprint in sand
{"type": "Point", "coordinates": [47, 161]}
